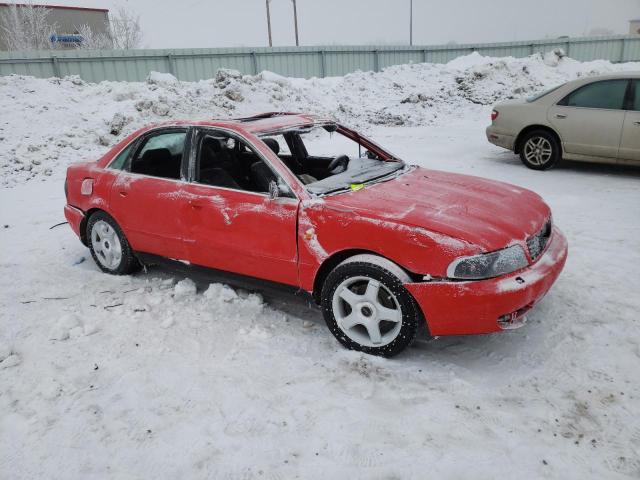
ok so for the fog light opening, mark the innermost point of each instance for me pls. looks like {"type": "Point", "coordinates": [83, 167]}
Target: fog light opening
{"type": "Point", "coordinates": [513, 320]}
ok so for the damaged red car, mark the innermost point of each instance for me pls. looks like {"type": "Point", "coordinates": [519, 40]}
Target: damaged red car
{"type": "Point", "coordinates": [301, 202]}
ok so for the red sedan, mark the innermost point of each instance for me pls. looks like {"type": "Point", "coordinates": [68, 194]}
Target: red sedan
{"type": "Point", "coordinates": [302, 202]}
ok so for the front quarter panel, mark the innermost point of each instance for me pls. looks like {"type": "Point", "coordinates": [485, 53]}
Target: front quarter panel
{"type": "Point", "coordinates": [326, 229]}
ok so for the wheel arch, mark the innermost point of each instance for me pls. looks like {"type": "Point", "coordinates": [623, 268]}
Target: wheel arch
{"type": "Point", "coordinates": [83, 223]}
{"type": "Point", "coordinates": [336, 258]}
{"type": "Point", "coordinates": [518, 143]}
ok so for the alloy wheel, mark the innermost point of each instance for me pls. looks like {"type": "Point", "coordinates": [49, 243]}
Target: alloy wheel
{"type": "Point", "coordinates": [106, 245]}
{"type": "Point", "coordinates": [538, 151]}
{"type": "Point", "coordinates": [366, 311]}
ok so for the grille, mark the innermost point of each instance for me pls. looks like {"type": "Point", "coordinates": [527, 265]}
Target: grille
{"type": "Point", "coordinates": [537, 243]}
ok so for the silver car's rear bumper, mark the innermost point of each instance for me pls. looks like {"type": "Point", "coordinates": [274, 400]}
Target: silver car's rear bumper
{"type": "Point", "coordinates": [499, 138]}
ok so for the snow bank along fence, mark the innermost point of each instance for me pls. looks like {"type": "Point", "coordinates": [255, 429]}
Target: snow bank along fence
{"type": "Point", "coordinates": [198, 64]}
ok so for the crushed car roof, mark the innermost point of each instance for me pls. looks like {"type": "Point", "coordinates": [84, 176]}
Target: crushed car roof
{"type": "Point", "coordinates": [257, 124]}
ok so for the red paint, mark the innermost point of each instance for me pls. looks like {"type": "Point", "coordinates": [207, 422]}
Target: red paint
{"type": "Point", "coordinates": [422, 220]}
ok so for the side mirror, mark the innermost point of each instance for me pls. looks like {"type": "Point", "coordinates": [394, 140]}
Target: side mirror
{"type": "Point", "coordinates": [274, 190]}
{"type": "Point", "coordinates": [369, 154]}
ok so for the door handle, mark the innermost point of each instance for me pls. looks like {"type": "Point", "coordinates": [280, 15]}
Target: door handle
{"type": "Point", "coordinates": [123, 193]}
{"type": "Point", "coordinates": [560, 115]}
{"type": "Point", "coordinates": [636, 123]}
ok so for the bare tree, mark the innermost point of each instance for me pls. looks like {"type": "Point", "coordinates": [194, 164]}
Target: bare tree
{"type": "Point", "coordinates": [92, 40]}
{"type": "Point", "coordinates": [126, 32]}
{"type": "Point", "coordinates": [26, 27]}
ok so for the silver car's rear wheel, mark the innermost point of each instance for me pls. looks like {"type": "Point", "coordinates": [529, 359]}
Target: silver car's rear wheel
{"type": "Point", "coordinates": [537, 151]}
{"type": "Point", "coordinates": [540, 150]}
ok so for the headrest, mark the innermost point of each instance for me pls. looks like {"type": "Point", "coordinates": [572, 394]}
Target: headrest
{"type": "Point", "coordinates": [273, 144]}
{"type": "Point", "coordinates": [214, 144]}
{"type": "Point", "coordinates": [157, 155]}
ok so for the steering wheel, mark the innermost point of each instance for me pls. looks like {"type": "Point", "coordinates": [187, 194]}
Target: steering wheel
{"type": "Point", "coordinates": [338, 164]}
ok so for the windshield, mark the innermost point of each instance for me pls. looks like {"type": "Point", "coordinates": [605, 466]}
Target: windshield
{"type": "Point", "coordinates": [330, 158]}
{"type": "Point", "coordinates": [543, 93]}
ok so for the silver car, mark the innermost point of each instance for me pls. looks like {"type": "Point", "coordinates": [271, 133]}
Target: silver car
{"type": "Point", "coordinates": [595, 119]}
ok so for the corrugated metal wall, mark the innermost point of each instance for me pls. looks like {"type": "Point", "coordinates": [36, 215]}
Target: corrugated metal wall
{"type": "Point", "coordinates": [202, 63]}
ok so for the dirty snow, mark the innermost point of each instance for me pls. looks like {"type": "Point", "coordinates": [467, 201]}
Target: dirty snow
{"type": "Point", "coordinates": [78, 121]}
{"type": "Point", "coordinates": [158, 376]}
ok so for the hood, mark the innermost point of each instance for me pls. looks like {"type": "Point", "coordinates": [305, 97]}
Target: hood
{"type": "Point", "coordinates": [486, 213]}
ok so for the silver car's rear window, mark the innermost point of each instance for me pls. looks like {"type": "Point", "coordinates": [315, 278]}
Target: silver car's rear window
{"type": "Point", "coordinates": [542, 94]}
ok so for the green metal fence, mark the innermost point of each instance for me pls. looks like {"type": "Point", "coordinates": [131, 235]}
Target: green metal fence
{"type": "Point", "coordinates": [202, 63]}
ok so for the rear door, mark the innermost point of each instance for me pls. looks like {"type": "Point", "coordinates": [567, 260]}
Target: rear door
{"type": "Point", "coordinates": [232, 223]}
{"type": "Point", "coordinates": [589, 119]}
{"type": "Point", "coordinates": [146, 198]}
{"type": "Point", "coordinates": [630, 142]}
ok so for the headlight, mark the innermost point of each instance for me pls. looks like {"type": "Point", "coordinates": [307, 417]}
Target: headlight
{"type": "Point", "coordinates": [488, 265]}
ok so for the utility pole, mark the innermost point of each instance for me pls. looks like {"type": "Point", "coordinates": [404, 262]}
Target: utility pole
{"type": "Point", "coordinates": [269, 23]}
{"type": "Point", "coordinates": [410, 22]}
{"type": "Point", "coordinates": [295, 20]}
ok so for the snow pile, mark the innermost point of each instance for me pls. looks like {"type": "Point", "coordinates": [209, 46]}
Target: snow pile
{"type": "Point", "coordinates": [51, 122]}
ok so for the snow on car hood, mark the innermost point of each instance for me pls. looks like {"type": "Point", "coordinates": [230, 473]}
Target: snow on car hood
{"type": "Point", "coordinates": [487, 213]}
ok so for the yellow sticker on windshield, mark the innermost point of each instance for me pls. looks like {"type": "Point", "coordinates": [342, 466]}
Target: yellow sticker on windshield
{"type": "Point", "coordinates": [357, 186]}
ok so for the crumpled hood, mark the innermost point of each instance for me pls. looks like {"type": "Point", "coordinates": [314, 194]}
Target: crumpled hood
{"type": "Point", "coordinates": [487, 213]}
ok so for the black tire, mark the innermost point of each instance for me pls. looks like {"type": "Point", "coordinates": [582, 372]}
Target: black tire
{"type": "Point", "coordinates": [362, 266]}
{"type": "Point", "coordinates": [128, 262]}
{"type": "Point", "coordinates": [545, 138]}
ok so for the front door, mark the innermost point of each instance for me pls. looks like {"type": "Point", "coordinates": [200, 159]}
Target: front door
{"type": "Point", "coordinates": [630, 142]}
{"type": "Point", "coordinates": [233, 223]}
{"type": "Point", "coordinates": [589, 119]}
{"type": "Point", "coordinates": [146, 197]}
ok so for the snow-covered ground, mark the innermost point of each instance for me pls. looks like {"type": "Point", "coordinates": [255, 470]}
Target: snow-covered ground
{"type": "Point", "coordinates": [153, 376]}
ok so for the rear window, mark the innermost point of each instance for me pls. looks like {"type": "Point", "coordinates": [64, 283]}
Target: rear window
{"type": "Point", "coordinates": [537, 96]}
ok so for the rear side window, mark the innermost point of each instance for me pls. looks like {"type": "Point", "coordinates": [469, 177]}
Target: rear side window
{"type": "Point", "coordinates": [118, 162]}
{"type": "Point", "coordinates": [636, 102]}
{"type": "Point", "coordinates": [160, 155]}
{"type": "Point", "coordinates": [544, 93]}
{"type": "Point", "coordinates": [607, 94]}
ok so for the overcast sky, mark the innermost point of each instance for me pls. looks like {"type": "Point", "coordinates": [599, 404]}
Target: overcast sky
{"type": "Point", "coordinates": [225, 23]}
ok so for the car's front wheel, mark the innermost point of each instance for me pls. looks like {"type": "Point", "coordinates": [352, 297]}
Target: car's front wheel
{"type": "Point", "coordinates": [367, 308]}
{"type": "Point", "coordinates": [108, 245]}
{"type": "Point", "coordinates": [540, 150]}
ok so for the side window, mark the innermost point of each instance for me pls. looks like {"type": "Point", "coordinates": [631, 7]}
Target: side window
{"type": "Point", "coordinates": [224, 161]}
{"type": "Point", "coordinates": [607, 94]}
{"type": "Point", "coordinates": [118, 162]}
{"type": "Point", "coordinates": [636, 101]}
{"type": "Point", "coordinates": [160, 155]}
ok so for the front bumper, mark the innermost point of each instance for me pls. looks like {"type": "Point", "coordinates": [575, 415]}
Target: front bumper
{"type": "Point", "coordinates": [474, 307]}
{"type": "Point", "coordinates": [500, 138]}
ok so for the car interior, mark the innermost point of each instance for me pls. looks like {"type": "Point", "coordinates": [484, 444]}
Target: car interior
{"type": "Point", "coordinates": [160, 155]}
{"type": "Point", "coordinates": [226, 161]}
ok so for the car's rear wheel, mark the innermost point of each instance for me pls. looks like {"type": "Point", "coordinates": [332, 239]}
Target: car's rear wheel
{"type": "Point", "coordinates": [108, 245]}
{"type": "Point", "coordinates": [367, 308]}
{"type": "Point", "coordinates": [540, 150]}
